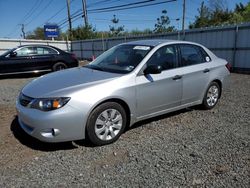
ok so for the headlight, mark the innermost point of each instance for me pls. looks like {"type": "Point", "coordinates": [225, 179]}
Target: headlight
{"type": "Point", "coordinates": [47, 104]}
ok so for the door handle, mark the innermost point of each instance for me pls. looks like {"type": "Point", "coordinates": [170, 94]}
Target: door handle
{"type": "Point", "coordinates": [177, 77]}
{"type": "Point", "coordinates": [206, 70]}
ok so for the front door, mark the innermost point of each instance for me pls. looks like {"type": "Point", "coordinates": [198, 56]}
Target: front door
{"type": "Point", "coordinates": [43, 58]}
{"type": "Point", "coordinates": [20, 62]}
{"type": "Point", "coordinates": [155, 93]}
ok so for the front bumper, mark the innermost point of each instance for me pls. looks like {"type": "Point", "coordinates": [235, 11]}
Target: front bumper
{"type": "Point", "coordinates": [64, 124]}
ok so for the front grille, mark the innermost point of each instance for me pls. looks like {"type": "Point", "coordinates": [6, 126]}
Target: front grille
{"type": "Point", "coordinates": [24, 100]}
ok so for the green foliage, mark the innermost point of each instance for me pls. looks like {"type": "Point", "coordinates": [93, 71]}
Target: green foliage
{"type": "Point", "coordinates": [162, 24]}
{"type": "Point", "coordinates": [202, 20]}
{"type": "Point", "coordinates": [83, 32]}
{"type": "Point", "coordinates": [38, 33]}
{"type": "Point", "coordinates": [217, 14]}
{"type": "Point", "coordinates": [140, 32]}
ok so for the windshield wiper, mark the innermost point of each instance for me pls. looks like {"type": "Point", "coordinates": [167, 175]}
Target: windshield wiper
{"type": "Point", "coordinates": [94, 67]}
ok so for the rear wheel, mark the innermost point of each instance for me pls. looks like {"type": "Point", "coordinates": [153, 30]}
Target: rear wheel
{"type": "Point", "coordinates": [212, 96]}
{"type": "Point", "coordinates": [106, 123]}
{"type": "Point", "coordinates": [59, 66]}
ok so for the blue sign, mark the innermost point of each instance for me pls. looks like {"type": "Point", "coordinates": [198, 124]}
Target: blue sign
{"type": "Point", "coordinates": [51, 31]}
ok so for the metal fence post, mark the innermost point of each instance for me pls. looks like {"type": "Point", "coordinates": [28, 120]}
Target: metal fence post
{"type": "Point", "coordinates": [81, 49]}
{"type": "Point", "coordinates": [93, 50]}
{"type": "Point", "coordinates": [235, 46]}
{"type": "Point", "coordinates": [103, 47]}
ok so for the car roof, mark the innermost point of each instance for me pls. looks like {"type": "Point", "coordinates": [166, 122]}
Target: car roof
{"type": "Point", "coordinates": [38, 45]}
{"type": "Point", "coordinates": [156, 42]}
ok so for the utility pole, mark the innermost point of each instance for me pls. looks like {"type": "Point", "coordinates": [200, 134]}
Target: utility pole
{"type": "Point", "coordinates": [84, 10]}
{"type": "Point", "coordinates": [69, 19]}
{"type": "Point", "coordinates": [22, 29]}
{"type": "Point", "coordinates": [183, 18]}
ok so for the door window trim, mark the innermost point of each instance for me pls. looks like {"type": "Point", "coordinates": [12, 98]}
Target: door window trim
{"type": "Point", "coordinates": [202, 51]}
{"type": "Point", "coordinates": [46, 47]}
{"type": "Point", "coordinates": [141, 72]}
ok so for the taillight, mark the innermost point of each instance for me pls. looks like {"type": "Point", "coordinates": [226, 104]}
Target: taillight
{"type": "Point", "coordinates": [74, 56]}
{"type": "Point", "coordinates": [228, 67]}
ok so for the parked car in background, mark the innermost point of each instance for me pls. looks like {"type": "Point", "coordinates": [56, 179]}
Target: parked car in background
{"type": "Point", "coordinates": [36, 58]}
{"type": "Point", "coordinates": [126, 84]}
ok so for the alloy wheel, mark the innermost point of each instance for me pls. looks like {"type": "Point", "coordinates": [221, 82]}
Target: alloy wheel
{"type": "Point", "coordinates": [108, 124]}
{"type": "Point", "coordinates": [212, 95]}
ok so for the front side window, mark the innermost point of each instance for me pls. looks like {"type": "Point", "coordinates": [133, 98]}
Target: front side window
{"type": "Point", "coordinates": [25, 51]}
{"type": "Point", "coordinates": [166, 57]}
{"type": "Point", "coordinates": [120, 59]}
{"type": "Point", "coordinates": [191, 55]}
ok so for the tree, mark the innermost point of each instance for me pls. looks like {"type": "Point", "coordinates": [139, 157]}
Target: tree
{"type": "Point", "coordinates": [218, 14]}
{"type": "Point", "coordinates": [162, 24]}
{"type": "Point", "coordinates": [220, 5]}
{"type": "Point", "coordinates": [239, 8]}
{"type": "Point", "coordinates": [115, 30]}
{"type": "Point", "coordinates": [241, 13]}
{"type": "Point", "coordinates": [83, 32]}
{"type": "Point", "coordinates": [246, 13]}
{"type": "Point", "coordinates": [202, 20]}
{"type": "Point", "coordinates": [38, 33]}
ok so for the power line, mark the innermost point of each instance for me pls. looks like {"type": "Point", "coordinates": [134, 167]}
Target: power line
{"type": "Point", "coordinates": [26, 16]}
{"type": "Point", "coordinates": [32, 11]}
{"type": "Point", "coordinates": [125, 8]}
{"type": "Point", "coordinates": [128, 20]}
{"type": "Point", "coordinates": [59, 11]}
{"type": "Point", "coordinates": [45, 7]}
{"type": "Point", "coordinates": [107, 9]}
{"type": "Point", "coordinates": [124, 5]}
{"type": "Point", "coordinates": [75, 14]}
{"type": "Point", "coordinates": [102, 2]}
{"type": "Point", "coordinates": [55, 14]}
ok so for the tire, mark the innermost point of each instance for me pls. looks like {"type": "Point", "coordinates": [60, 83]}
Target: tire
{"type": "Point", "coordinates": [59, 66]}
{"type": "Point", "coordinates": [106, 123]}
{"type": "Point", "coordinates": [211, 96]}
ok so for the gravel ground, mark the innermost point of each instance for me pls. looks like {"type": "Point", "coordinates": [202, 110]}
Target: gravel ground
{"type": "Point", "coordinates": [188, 148]}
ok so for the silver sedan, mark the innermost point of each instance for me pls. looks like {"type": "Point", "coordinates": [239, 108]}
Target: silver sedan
{"type": "Point", "coordinates": [126, 84]}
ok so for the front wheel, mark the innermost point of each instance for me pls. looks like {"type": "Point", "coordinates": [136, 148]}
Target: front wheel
{"type": "Point", "coordinates": [106, 123]}
{"type": "Point", "coordinates": [211, 96]}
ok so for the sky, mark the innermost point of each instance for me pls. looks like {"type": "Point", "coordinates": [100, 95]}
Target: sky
{"type": "Point", "coordinates": [36, 13]}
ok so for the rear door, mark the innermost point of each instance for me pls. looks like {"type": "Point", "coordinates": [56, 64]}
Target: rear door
{"type": "Point", "coordinates": [194, 65]}
{"type": "Point", "coordinates": [43, 58]}
{"type": "Point", "coordinates": [156, 93]}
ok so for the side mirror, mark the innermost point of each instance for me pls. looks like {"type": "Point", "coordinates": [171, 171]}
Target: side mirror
{"type": "Point", "coordinates": [13, 54]}
{"type": "Point", "coordinates": [153, 69]}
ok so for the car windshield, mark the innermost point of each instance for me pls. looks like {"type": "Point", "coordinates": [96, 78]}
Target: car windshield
{"type": "Point", "coordinates": [120, 59]}
{"type": "Point", "coordinates": [7, 53]}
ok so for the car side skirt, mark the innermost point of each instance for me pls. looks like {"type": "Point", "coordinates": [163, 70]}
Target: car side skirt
{"type": "Point", "coordinates": [168, 110]}
{"type": "Point", "coordinates": [26, 72]}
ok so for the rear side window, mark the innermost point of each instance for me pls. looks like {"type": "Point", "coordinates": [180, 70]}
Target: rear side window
{"type": "Point", "coordinates": [44, 50]}
{"type": "Point", "coordinates": [191, 55]}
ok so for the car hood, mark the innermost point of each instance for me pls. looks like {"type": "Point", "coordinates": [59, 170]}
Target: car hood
{"type": "Point", "coordinates": [66, 81]}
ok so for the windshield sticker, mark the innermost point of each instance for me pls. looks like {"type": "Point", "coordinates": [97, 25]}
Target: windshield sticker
{"type": "Point", "coordinates": [141, 48]}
